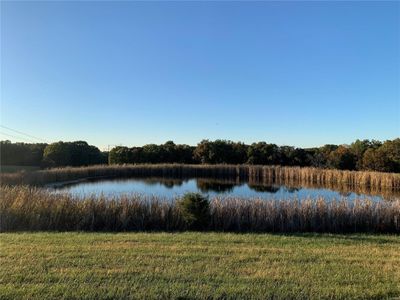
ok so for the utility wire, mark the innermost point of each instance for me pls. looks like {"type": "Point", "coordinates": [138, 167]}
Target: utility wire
{"type": "Point", "coordinates": [17, 137]}
{"type": "Point", "coordinates": [20, 132]}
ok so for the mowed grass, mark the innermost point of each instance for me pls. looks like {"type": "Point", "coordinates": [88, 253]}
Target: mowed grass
{"type": "Point", "coordinates": [198, 266]}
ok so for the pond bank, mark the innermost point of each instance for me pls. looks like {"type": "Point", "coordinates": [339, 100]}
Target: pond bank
{"type": "Point", "coordinates": [32, 209]}
{"type": "Point", "coordinates": [270, 174]}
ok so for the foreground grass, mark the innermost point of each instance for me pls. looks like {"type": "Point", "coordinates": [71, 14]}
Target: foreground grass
{"type": "Point", "coordinates": [198, 265]}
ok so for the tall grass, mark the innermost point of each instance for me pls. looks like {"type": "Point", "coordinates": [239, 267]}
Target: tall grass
{"type": "Point", "coordinates": [29, 208]}
{"type": "Point", "coordinates": [263, 174]}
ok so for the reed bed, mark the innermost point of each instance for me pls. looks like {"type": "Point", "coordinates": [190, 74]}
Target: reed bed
{"type": "Point", "coordinates": [262, 174]}
{"type": "Point", "coordinates": [24, 208]}
{"type": "Point", "coordinates": [341, 188]}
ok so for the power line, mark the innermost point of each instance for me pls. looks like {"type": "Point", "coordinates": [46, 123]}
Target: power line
{"type": "Point", "coordinates": [17, 137]}
{"type": "Point", "coordinates": [20, 132]}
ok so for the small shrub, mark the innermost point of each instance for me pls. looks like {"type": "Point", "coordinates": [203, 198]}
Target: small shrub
{"type": "Point", "coordinates": [195, 211]}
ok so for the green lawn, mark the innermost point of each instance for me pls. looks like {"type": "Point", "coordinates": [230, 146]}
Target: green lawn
{"type": "Point", "coordinates": [198, 265]}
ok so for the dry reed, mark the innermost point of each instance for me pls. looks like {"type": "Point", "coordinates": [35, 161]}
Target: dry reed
{"type": "Point", "coordinates": [262, 174]}
{"type": "Point", "coordinates": [24, 208]}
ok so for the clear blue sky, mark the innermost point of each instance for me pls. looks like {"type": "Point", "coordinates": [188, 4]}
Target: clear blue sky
{"type": "Point", "coordinates": [131, 73]}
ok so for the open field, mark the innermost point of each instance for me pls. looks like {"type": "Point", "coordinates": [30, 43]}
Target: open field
{"type": "Point", "coordinates": [198, 266]}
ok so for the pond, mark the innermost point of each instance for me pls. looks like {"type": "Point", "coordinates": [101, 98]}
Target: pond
{"type": "Point", "coordinates": [172, 188]}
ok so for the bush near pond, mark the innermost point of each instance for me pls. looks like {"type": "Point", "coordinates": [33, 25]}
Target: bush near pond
{"type": "Point", "coordinates": [195, 211]}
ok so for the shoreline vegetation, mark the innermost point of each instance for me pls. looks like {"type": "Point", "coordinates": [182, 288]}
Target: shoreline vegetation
{"type": "Point", "coordinates": [204, 183]}
{"type": "Point", "coordinates": [252, 173]}
{"type": "Point", "coordinates": [26, 204]}
{"type": "Point", "coordinates": [24, 208]}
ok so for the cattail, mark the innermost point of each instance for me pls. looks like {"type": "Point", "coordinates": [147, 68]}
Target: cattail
{"type": "Point", "coordinates": [30, 208]}
{"type": "Point", "coordinates": [263, 174]}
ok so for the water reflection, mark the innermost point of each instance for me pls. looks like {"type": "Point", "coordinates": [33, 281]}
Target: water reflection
{"type": "Point", "coordinates": [216, 186]}
{"type": "Point", "coordinates": [169, 183]}
{"type": "Point", "coordinates": [172, 187]}
{"type": "Point", "coordinates": [265, 188]}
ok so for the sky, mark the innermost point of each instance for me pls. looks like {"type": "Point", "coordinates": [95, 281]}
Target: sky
{"type": "Point", "coordinates": [132, 73]}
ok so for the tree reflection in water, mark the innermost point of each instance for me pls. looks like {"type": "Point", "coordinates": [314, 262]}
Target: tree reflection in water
{"type": "Point", "coordinates": [264, 188]}
{"type": "Point", "coordinates": [224, 186]}
{"type": "Point", "coordinates": [169, 183]}
{"type": "Point", "coordinates": [217, 186]}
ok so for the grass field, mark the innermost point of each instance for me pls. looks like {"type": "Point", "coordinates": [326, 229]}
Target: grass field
{"type": "Point", "coordinates": [198, 266]}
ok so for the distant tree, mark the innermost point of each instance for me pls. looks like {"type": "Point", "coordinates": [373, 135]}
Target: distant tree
{"type": "Point", "coordinates": [381, 157]}
{"type": "Point", "coordinates": [21, 154]}
{"type": "Point", "coordinates": [320, 157]}
{"type": "Point", "coordinates": [169, 152]}
{"type": "Point", "coordinates": [173, 153]}
{"type": "Point", "coordinates": [342, 158]}
{"type": "Point", "coordinates": [57, 154]}
{"type": "Point", "coordinates": [302, 157]}
{"type": "Point", "coordinates": [135, 155]}
{"type": "Point", "coordinates": [318, 160]}
{"type": "Point", "coordinates": [262, 153]}
{"type": "Point", "coordinates": [104, 157]}
{"type": "Point", "coordinates": [385, 158]}
{"type": "Point", "coordinates": [77, 153]}
{"type": "Point", "coordinates": [359, 147]}
{"type": "Point", "coordinates": [204, 152]}
{"type": "Point", "coordinates": [84, 154]}
{"type": "Point", "coordinates": [120, 155]}
{"type": "Point", "coordinates": [184, 154]}
{"type": "Point", "coordinates": [291, 156]}
{"type": "Point", "coordinates": [153, 153]}
{"type": "Point", "coordinates": [287, 155]}
{"type": "Point", "coordinates": [391, 150]}
{"type": "Point", "coordinates": [239, 153]}
{"type": "Point", "coordinates": [375, 160]}
{"type": "Point", "coordinates": [220, 152]}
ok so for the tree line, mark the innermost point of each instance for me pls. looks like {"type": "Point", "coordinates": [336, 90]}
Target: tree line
{"type": "Point", "coordinates": [78, 153]}
{"type": "Point", "coordinates": [359, 155]}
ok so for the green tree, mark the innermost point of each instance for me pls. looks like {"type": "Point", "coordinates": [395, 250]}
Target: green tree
{"type": "Point", "coordinates": [220, 152]}
{"type": "Point", "coordinates": [342, 158]}
{"type": "Point", "coordinates": [21, 154]}
{"type": "Point", "coordinates": [359, 147]}
{"type": "Point", "coordinates": [262, 153]}
{"type": "Point", "coordinates": [119, 155]}
{"type": "Point", "coordinates": [77, 153]}
{"type": "Point", "coordinates": [195, 211]}
{"type": "Point", "coordinates": [385, 158]}
{"type": "Point", "coordinates": [57, 154]}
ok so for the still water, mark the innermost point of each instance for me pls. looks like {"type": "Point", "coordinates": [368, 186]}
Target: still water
{"type": "Point", "coordinates": [172, 188]}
